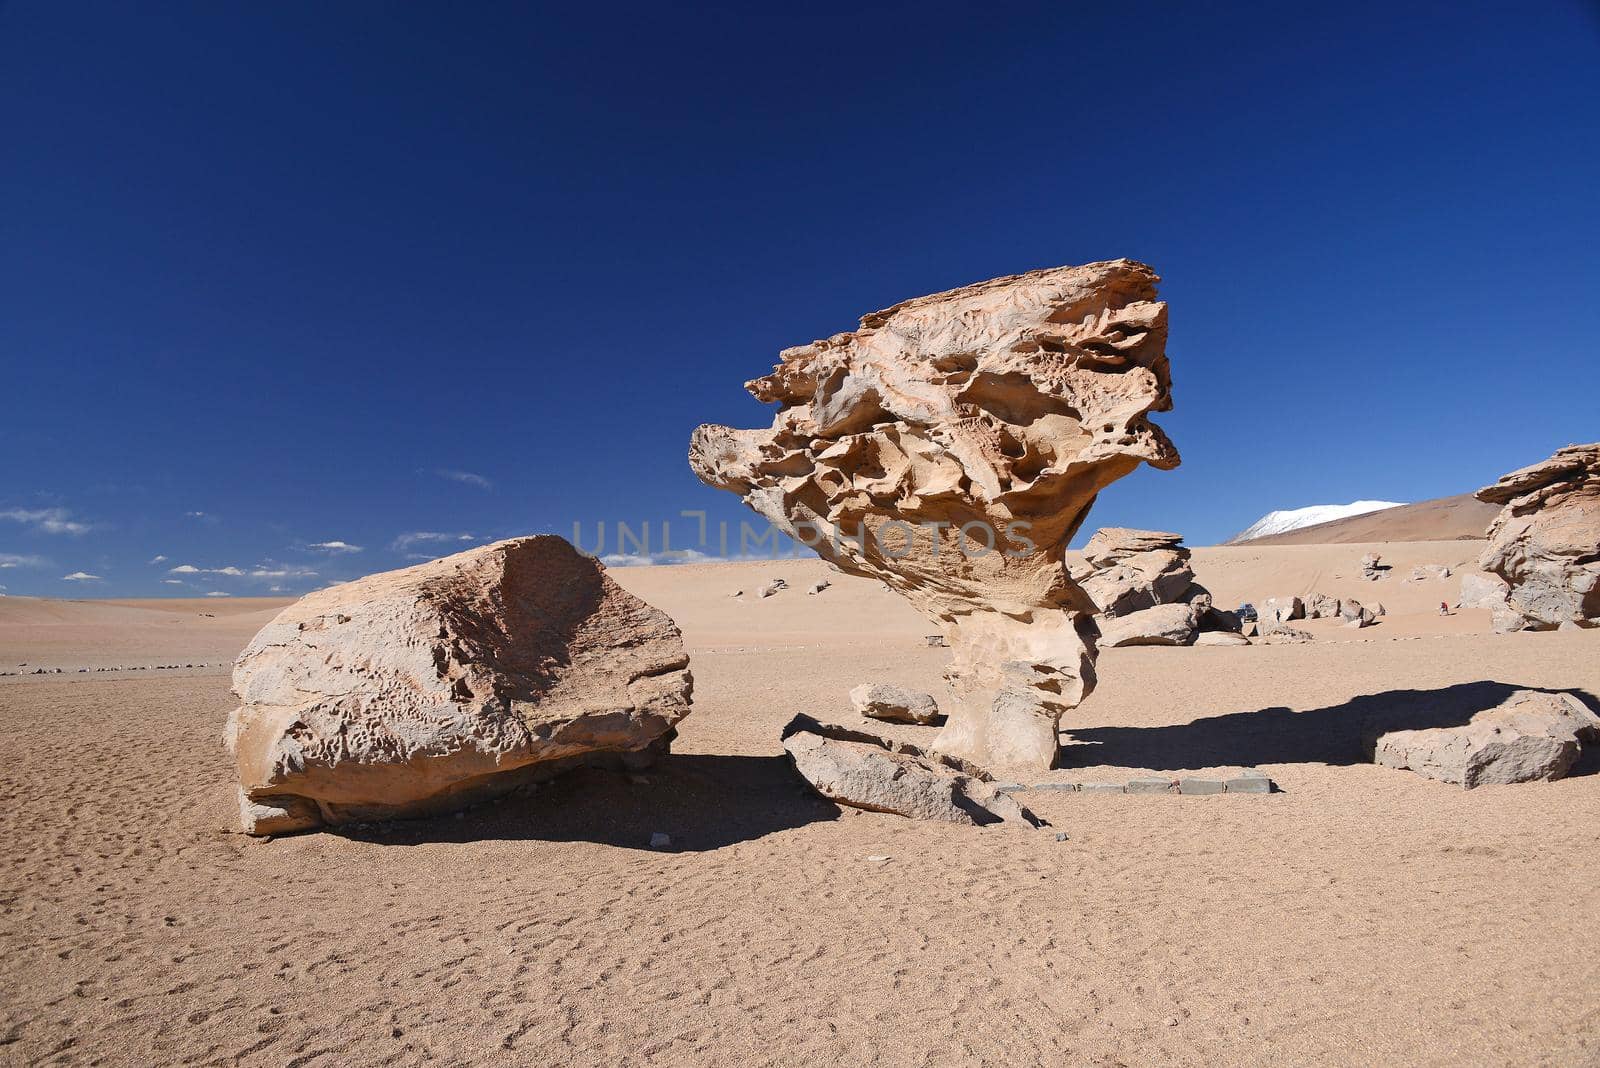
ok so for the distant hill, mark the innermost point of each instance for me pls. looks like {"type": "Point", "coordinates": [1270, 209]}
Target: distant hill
{"type": "Point", "coordinates": [1294, 518]}
{"type": "Point", "coordinates": [1442, 519]}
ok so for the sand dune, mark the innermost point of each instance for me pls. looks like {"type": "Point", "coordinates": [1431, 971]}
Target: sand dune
{"type": "Point", "coordinates": [1363, 915]}
{"type": "Point", "coordinates": [1442, 519]}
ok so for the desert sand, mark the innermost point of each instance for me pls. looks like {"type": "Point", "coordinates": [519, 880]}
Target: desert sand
{"type": "Point", "coordinates": [1361, 915]}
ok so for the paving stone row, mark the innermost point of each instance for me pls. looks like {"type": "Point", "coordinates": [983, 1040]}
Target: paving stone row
{"type": "Point", "coordinates": [1246, 782]}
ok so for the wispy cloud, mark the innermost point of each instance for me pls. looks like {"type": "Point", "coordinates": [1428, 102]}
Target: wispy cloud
{"type": "Point", "coordinates": [334, 547]}
{"type": "Point", "coordinates": [207, 518]}
{"type": "Point", "coordinates": [46, 520]}
{"type": "Point", "coordinates": [218, 593]}
{"type": "Point", "coordinates": [154, 560]}
{"type": "Point", "coordinates": [190, 569]}
{"type": "Point", "coordinates": [80, 576]}
{"type": "Point", "coordinates": [277, 571]}
{"type": "Point", "coordinates": [411, 543]}
{"type": "Point", "coordinates": [175, 582]}
{"type": "Point", "coordinates": [21, 560]}
{"type": "Point", "coordinates": [466, 478]}
{"type": "Point", "coordinates": [673, 556]}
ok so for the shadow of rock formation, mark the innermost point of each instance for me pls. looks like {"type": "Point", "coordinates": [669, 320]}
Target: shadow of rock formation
{"type": "Point", "coordinates": [1339, 734]}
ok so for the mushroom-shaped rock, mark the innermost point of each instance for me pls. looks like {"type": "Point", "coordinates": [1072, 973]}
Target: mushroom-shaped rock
{"type": "Point", "coordinates": [421, 689]}
{"type": "Point", "coordinates": [1545, 543]}
{"type": "Point", "coordinates": [950, 447]}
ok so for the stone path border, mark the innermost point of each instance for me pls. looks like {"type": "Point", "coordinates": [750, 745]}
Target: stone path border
{"type": "Point", "coordinates": [1247, 782]}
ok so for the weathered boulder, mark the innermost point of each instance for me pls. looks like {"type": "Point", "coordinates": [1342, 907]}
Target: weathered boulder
{"type": "Point", "coordinates": [1220, 637]}
{"type": "Point", "coordinates": [1531, 736]}
{"type": "Point", "coordinates": [1283, 634]}
{"type": "Point", "coordinates": [865, 771]}
{"type": "Point", "coordinates": [1483, 591]}
{"type": "Point", "coordinates": [1321, 606]}
{"type": "Point", "coordinates": [877, 700]}
{"type": "Point", "coordinates": [1280, 609]}
{"type": "Point", "coordinates": [1131, 570]}
{"type": "Point", "coordinates": [1372, 567]}
{"type": "Point", "coordinates": [417, 690]}
{"type": "Point", "coordinates": [950, 447]}
{"type": "Point", "coordinates": [1424, 572]}
{"type": "Point", "coordinates": [1166, 624]}
{"type": "Point", "coordinates": [1545, 543]}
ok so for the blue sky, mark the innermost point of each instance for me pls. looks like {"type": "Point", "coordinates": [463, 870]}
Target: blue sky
{"type": "Point", "coordinates": [282, 280]}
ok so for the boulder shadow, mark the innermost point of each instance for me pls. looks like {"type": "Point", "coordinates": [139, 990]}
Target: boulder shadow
{"type": "Point", "coordinates": [702, 801]}
{"type": "Point", "coordinates": [1338, 734]}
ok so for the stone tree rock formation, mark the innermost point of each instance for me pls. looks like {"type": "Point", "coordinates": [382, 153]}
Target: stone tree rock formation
{"type": "Point", "coordinates": [1546, 540]}
{"type": "Point", "coordinates": [950, 447]}
{"type": "Point", "coordinates": [415, 690]}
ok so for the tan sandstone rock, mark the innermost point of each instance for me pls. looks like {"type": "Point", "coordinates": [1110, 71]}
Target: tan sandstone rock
{"type": "Point", "coordinates": [1166, 624]}
{"type": "Point", "coordinates": [1483, 591]}
{"type": "Point", "coordinates": [1531, 736]}
{"type": "Point", "coordinates": [1545, 542]}
{"type": "Point", "coordinates": [877, 700]}
{"type": "Point", "coordinates": [950, 447]}
{"type": "Point", "coordinates": [865, 771]}
{"type": "Point", "coordinates": [415, 690]}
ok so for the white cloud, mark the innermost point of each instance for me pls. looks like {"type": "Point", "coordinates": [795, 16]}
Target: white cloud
{"type": "Point", "coordinates": [190, 569]}
{"type": "Point", "coordinates": [466, 478]}
{"type": "Point", "coordinates": [183, 569]}
{"type": "Point", "coordinates": [157, 560]}
{"type": "Point", "coordinates": [217, 593]}
{"type": "Point", "coordinates": [19, 560]}
{"type": "Point", "coordinates": [194, 515]}
{"type": "Point", "coordinates": [227, 571]}
{"type": "Point", "coordinates": [335, 547]}
{"type": "Point", "coordinates": [268, 571]}
{"type": "Point", "coordinates": [175, 582]}
{"type": "Point", "coordinates": [673, 556]}
{"type": "Point", "coordinates": [46, 520]}
{"type": "Point", "coordinates": [417, 539]}
{"type": "Point", "coordinates": [80, 576]}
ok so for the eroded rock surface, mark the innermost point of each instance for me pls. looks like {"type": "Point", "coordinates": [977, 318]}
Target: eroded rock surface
{"type": "Point", "coordinates": [1531, 736]}
{"type": "Point", "coordinates": [877, 700]}
{"type": "Point", "coordinates": [865, 771]}
{"type": "Point", "coordinates": [1545, 542]}
{"type": "Point", "coordinates": [950, 447]}
{"type": "Point", "coordinates": [414, 690]}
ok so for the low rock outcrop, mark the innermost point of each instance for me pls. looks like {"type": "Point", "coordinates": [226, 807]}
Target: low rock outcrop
{"type": "Point", "coordinates": [1531, 736]}
{"type": "Point", "coordinates": [865, 771]}
{"type": "Point", "coordinates": [950, 447]}
{"type": "Point", "coordinates": [1545, 543]}
{"type": "Point", "coordinates": [417, 690]}
{"type": "Point", "coordinates": [876, 700]}
{"type": "Point", "coordinates": [1166, 624]}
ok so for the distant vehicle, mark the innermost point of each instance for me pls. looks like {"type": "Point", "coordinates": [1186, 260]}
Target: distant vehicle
{"type": "Point", "coordinates": [1247, 613]}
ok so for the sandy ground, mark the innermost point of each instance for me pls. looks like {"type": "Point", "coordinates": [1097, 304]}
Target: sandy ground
{"type": "Point", "coordinates": [1361, 916]}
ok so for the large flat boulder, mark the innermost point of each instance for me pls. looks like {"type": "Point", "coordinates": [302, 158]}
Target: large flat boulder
{"type": "Point", "coordinates": [865, 771]}
{"type": "Point", "coordinates": [1532, 736]}
{"type": "Point", "coordinates": [417, 690]}
{"type": "Point", "coordinates": [1165, 624]}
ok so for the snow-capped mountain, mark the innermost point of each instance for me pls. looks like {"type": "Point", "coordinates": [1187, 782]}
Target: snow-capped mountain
{"type": "Point", "coordinates": [1295, 518]}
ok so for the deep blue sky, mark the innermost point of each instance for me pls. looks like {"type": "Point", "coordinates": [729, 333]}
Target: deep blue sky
{"type": "Point", "coordinates": [282, 263]}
